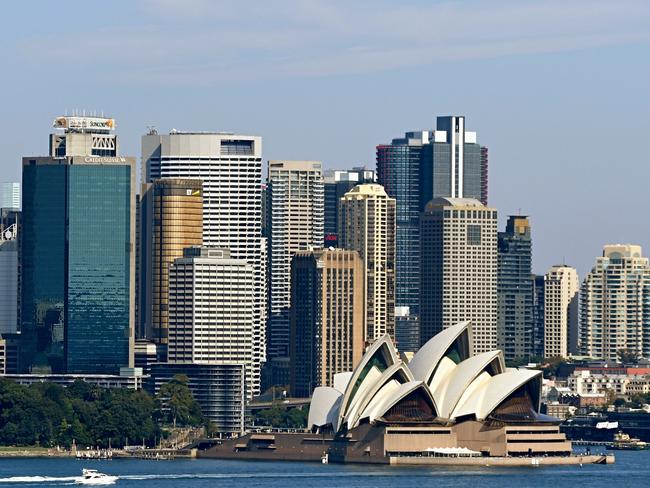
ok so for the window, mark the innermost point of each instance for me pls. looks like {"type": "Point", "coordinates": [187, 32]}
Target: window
{"type": "Point", "coordinates": [474, 235]}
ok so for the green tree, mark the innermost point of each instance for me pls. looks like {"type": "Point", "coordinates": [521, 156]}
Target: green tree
{"type": "Point", "coordinates": [628, 356]}
{"type": "Point", "coordinates": [177, 404]}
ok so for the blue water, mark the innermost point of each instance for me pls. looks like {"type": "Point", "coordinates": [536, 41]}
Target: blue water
{"type": "Point", "coordinates": [631, 469]}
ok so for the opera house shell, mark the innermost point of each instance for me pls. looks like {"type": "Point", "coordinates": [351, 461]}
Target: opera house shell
{"type": "Point", "coordinates": [444, 398]}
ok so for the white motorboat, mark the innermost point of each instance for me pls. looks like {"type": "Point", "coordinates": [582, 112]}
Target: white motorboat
{"type": "Point", "coordinates": [94, 477]}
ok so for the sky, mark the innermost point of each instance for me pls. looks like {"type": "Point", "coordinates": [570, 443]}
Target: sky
{"type": "Point", "coordinates": [558, 90]}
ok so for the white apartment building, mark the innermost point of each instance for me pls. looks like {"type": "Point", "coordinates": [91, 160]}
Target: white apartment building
{"type": "Point", "coordinates": [367, 225]}
{"type": "Point", "coordinates": [560, 310]}
{"type": "Point", "coordinates": [230, 167]}
{"type": "Point", "coordinates": [615, 304]}
{"type": "Point", "coordinates": [458, 263]}
{"type": "Point", "coordinates": [9, 195]}
{"type": "Point", "coordinates": [296, 204]}
{"type": "Point", "coordinates": [212, 310]}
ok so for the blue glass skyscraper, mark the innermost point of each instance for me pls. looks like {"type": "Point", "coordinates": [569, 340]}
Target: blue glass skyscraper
{"type": "Point", "coordinates": [414, 169]}
{"type": "Point", "coordinates": [77, 296]}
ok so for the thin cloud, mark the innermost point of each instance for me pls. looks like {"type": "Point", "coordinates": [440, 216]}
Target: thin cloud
{"type": "Point", "coordinates": [202, 41]}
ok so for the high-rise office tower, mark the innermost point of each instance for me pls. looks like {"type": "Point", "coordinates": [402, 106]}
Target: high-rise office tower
{"type": "Point", "coordinates": [327, 317]}
{"type": "Point", "coordinates": [560, 310]}
{"type": "Point", "coordinates": [422, 165]}
{"type": "Point", "coordinates": [538, 315]}
{"type": "Point", "coordinates": [458, 239]}
{"type": "Point", "coordinates": [615, 304]}
{"type": "Point", "coordinates": [230, 167]}
{"type": "Point", "coordinates": [453, 163]}
{"type": "Point", "coordinates": [515, 289]}
{"type": "Point", "coordinates": [367, 225]}
{"type": "Point", "coordinates": [77, 252]}
{"type": "Point", "coordinates": [398, 170]}
{"type": "Point", "coordinates": [212, 310]}
{"type": "Point", "coordinates": [296, 222]}
{"type": "Point", "coordinates": [337, 183]}
{"type": "Point", "coordinates": [9, 223]}
{"type": "Point", "coordinates": [9, 195]}
{"type": "Point", "coordinates": [172, 219]}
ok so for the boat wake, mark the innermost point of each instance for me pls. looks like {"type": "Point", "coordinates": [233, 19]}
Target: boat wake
{"type": "Point", "coordinates": [40, 479]}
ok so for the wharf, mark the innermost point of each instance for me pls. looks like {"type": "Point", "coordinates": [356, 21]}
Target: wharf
{"type": "Point", "coordinates": [164, 454]}
{"type": "Point", "coordinates": [504, 461]}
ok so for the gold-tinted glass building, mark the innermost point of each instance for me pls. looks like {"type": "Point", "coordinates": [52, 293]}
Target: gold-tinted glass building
{"type": "Point", "coordinates": [326, 318]}
{"type": "Point", "coordinates": [172, 217]}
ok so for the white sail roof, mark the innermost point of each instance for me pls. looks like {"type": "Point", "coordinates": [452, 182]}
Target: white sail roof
{"type": "Point", "coordinates": [449, 390]}
{"type": "Point", "coordinates": [492, 392]}
{"type": "Point", "coordinates": [456, 383]}
{"type": "Point", "coordinates": [324, 406]}
{"type": "Point", "coordinates": [381, 354]}
{"type": "Point", "coordinates": [341, 380]}
{"type": "Point", "coordinates": [429, 355]}
{"type": "Point", "coordinates": [397, 372]}
{"type": "Point", "coordinates": [402, 391]}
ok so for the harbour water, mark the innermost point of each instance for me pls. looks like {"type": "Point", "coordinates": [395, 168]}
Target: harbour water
{"type": "Point", "coordinates": [632, 468]}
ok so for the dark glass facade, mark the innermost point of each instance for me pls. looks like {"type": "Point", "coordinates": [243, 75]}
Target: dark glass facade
{"type": "Point", "coordinates": [398, 171]}
{"type": "Point", "coordinates": [515, 290]}
{"type": "Point", "coordinates": [43, 258]}
{"type": "Point", "coordinates": [77, 256]}
{"type": "Point", "coordinates": [436, 172]}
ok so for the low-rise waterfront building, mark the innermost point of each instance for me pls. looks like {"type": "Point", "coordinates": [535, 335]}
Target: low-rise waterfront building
{"type": "Point", "coordinates": [131, 378]}
{"type": "Point", "coordinates": [218, 388]}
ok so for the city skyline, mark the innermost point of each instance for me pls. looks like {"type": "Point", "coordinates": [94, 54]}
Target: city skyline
{"type": "Point", "coordinates": [538, 104]}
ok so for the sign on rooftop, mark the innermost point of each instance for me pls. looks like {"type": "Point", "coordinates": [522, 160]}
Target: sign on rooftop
{"type": "Point", "coordinates": [76, 123]}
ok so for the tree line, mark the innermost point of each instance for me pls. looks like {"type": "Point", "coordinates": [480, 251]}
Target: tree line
{"type": "Point", "coordinates": [46, 414]}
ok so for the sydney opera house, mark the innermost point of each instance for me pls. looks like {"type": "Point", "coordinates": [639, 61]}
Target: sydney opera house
{"type": "Point", "coordinates": [444, 406]}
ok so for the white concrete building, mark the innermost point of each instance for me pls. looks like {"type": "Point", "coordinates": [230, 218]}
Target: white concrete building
{"type": "Point", "coordinates": [367, 225]}
{"type": "Point", "coordinates": [296, 203]}
{"type": "Point", "coordinates": [212, 310]}
{"type": "Point", "coordinates": [560, 310]}
{"type": "Point", "coordinates": [9, 195]}
{"type": "Point", "coordinates": [230, 166]}
{"type": "Point", "coordinates": [615, 304]}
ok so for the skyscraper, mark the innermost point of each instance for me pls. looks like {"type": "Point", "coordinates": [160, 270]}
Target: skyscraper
{"type": "Point", "coordinates": [212, 310]}
{"type": "Point", "coordinates": [230, 167]}
{"type": "Point", "coordinates": [9, 195]}
{"type": "Point", "coordinates": [398, 170]}
{"type": "Point", "coordinates": [515, 289]}
{"type": "Point", "coordinates": [78, 260]}
{"type": "Point", "coordinates": [337, 183]}
{"type": "Point", "coordinates": [172, 219]}
{"type": "Point", "coordinates": [367, 225]}
{"type": "Point", "coordinates": [453, 164]}
{"type": "Point", "coordinates": [615, 304]}
{"type": "Point", "coordinates": [422, 165]}
{"type": "Point", "coordinates": [327, 317]}
{"type": "Point", "coordinates": [560, 309]}
{"type": "Point", "coordinates": [458, 239]}
{"type": "Point", "coordinates": [296, 222]}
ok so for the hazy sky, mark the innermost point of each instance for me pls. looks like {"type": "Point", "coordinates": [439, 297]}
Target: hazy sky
{"type": "Point", "coordinates": [558, 90]}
